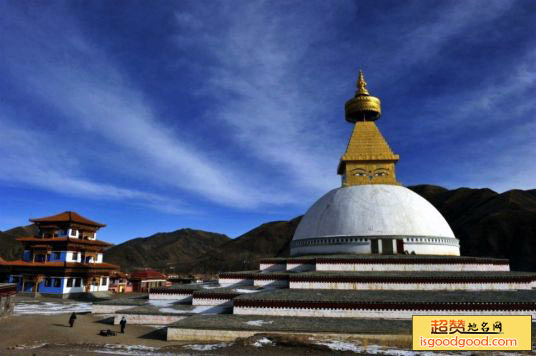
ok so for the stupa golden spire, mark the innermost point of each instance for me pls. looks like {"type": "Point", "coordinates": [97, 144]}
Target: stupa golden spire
{"type": "Point", "coordinates": [368, 158]}
{"type": "Point", "coordinates": [363, 106]}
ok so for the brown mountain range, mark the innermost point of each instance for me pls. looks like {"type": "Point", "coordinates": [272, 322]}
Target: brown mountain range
{"type": "Point", "coordinates": [487, 224]}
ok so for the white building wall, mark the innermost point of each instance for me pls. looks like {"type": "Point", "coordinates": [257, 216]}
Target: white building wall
{"type": "Point", "coordinates": [73, 289]}
{"type": "Point", "coordinates": [100, 287]}
{"type": "Point", "coordinates": [432, 249]}
{"type": "Point", "coordinates": [409, 286]}
{"type": "Point", "coordinates": [369, 313]}
{"type": "Point", "coordinates": [171, 296]}
{"type": "Point", "coordinates": [70, 255]}
{"type": "Point", "coordinates": [435, 249]}
{"type": "Point", "coordinates": [108, 308]}
{"type": "Point", "coordinates": [143, 319]}
{"type": "Point", "coordinates": [374, 267]}
{"type": "Point", "coordinates": [332, 249]}
{"type": "Point", "coordinates": [213, 302]}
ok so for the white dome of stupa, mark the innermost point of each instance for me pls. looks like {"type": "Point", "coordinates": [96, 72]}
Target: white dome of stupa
{"type": "Point", "coordinates": [373, 218]}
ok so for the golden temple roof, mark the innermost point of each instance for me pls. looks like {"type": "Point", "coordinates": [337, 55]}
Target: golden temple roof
{"type": "Point", "coordinates": [368, 144]}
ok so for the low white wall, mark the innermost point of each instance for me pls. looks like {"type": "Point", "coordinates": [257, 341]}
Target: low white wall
{"type": "Point", "coordinates": [272, 267]}
{"type": "Point", "coordinates": [365, 248]}
{"type": "Point", "coordinates": [67, 290]}
{"type": "Point", "coordinates": [234, 282]}
{"type": "Point", "coordinates": [98, 288]}
{"type": "Point", "coordinates": [109, 309]}
{"type": "Point", "coordinates": [369, 313]}
{"type": "Point", "coordinates": [171, 296]}
{"type": "Point", "coordinates": [330, 249]}
{"type": "Point", "coordinates": [409, 286]}
{"type": "Point", "coordinates": [213, 302]}
{"type": "Point", "coordinates": [200, 335]}
{"type": "Point", "coordinates": [432, 249]}
{"type": "Point", "coordinates": [371, 267]}
{"type": "Point", "coordinates": [148, 319]}
{"type": "Point", "coordinates": [300, 267]}
{"type": "Point", "coordinates": [274, 283]}
{"type": "Point", "coordinates": [219, 335]}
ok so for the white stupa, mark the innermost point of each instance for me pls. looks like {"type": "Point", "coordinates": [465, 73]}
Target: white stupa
{"type": "Point", "coordinates": [371, 213]}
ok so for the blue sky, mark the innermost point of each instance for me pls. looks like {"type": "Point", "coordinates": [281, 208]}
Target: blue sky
{"type": "Point", "coordinates": [221, 115]}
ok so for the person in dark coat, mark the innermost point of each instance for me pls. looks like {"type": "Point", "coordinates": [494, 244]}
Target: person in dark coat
{"type": "Point", "coordinates": [72, 319]}
{"type": "Point", "coordinates": [123, 324]}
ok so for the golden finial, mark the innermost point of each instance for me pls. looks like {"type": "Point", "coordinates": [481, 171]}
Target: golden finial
{"type": "Point", "coordinates": [363, 106]}
{"type": "Point", "coordinates": [361, 84]}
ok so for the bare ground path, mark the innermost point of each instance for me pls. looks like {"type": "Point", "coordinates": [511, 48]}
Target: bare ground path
{"type": "Point", "coordinates": [51, 335]}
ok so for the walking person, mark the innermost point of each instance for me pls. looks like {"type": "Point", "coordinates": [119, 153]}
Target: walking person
{"type": "Point", "coordinates": [123, 324]}
{"type": "Point", "coordinates": [72, 319]}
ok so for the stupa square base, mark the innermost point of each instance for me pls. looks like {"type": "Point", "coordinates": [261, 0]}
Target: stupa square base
{"type": "Point", "coordinates": [384, 304]}
{"type": "Point", "coordinates": [380, 263]}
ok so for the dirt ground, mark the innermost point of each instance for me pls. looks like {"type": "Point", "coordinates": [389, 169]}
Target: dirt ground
{"type": "Point", "coordinates": [51, 335]}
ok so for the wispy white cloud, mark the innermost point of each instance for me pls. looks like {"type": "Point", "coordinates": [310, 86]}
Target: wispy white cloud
{"type": "Point", "coordinates": [499, 113]}
{"type": "Point", "coordinates": [29, 158]}
{"type": "Point", "coordinates": [429, 36]}
{"type": "Point", "coordinates": [259, 89]}
{"type": "Point", "coordinates": [266, 100]}
{"type": "Point", "coordinates": [93, 95]}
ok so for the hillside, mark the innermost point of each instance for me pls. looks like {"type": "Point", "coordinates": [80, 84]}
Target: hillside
{"type": "Point", "coordinates": [487, 224]}
{"type": "Point", "coordinates": [164, 250]}
{"type": "Point", "coordinates": [11, 249]}
{"type": "Point", "coordinates": [243, 253]}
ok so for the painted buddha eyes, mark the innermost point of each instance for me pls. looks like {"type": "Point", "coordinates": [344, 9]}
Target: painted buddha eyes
{"type": "Point", "coordinates": [381, 172]}
{"type": "Point", "coordinates": [378, 172]}
{"type": "Point", "coordinates": [360, 172]}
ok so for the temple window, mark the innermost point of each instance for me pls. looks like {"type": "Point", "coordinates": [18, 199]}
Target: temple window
{"type": "Point", "coordinates": [78, 282]}
{"type": "Point", "coordinates": [48, 282]}
{"type": "Point", "coordinates": [57, 255]}
{"type": "Point", "coordinates": [57, 282]}
{"type": "Point", "coordinates": [75, 256]}
{"type": "Point", "coordinates": [104, 281]}
{"type": "Point", "coordinates": [70, 282]}
{"type": "Point", "coordinates": [39, 258]}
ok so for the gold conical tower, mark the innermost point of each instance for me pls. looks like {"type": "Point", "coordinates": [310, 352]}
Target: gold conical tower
{"type": "Point", "coordinates": [368, 158]}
